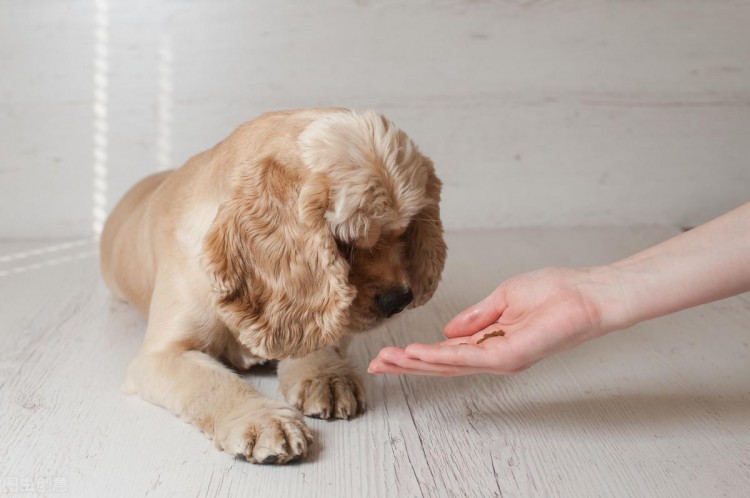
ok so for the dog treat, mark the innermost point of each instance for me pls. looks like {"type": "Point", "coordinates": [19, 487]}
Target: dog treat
{"type": "Point", "coordinates": [496, 333]}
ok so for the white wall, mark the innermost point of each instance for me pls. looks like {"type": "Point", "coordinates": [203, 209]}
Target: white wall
{"type": "Point", "coordinates": [536, 112]}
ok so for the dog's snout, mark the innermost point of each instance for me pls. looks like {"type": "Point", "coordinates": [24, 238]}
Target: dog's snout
{"type": "Point", "coordinates": [394, 301]}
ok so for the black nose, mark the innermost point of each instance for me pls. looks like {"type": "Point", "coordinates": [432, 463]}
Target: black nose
{"type": "Point", "coordinates": [393, 301]}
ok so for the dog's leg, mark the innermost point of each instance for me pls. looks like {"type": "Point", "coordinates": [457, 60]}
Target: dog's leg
{"type": "Point", "coordinates": [323, 384]}
{"type": "Point", "coordinates": [202, 391]}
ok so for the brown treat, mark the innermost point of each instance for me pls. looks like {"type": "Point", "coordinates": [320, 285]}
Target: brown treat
{"type": "Point", "coordinates": [496, 333]}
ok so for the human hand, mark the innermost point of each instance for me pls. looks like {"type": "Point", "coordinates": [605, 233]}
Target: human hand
{"type": "Point", "coordinates": [541, 313]}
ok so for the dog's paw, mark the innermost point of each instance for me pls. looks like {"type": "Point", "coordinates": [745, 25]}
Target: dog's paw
{"type": "Point", "coordinates": [328, 395]}
{"type": "Point", "coordinates": [269, 433]}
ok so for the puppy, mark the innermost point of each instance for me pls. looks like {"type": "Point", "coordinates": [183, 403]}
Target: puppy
{"type": "Point", "coordinates": [299, 229]}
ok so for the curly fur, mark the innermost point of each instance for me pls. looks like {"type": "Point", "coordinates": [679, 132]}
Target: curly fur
{"type": "Point", "coordinates": [274, 244]}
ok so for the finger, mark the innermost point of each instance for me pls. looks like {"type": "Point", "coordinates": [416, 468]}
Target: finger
{"type": "Point", "coordinates": [378, 366]}
{"type": "Point", "coordinates": [394, 360]}
{"type": "Point", "coordinates": [500, 357]}
{"type": "Point", "coordinates": [398, 357]}
{"type": "Point", "coordinates": [467, 355]}
{"type": "Point", "coordinates": [477, 317]}
{"type": "Point", "coordinates": [388, 353]}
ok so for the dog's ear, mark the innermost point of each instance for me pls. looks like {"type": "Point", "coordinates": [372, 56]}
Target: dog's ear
{"type": "Point", "coordinates": [425, 247]}
{"type": "Point", "coordinates": [279, 280]}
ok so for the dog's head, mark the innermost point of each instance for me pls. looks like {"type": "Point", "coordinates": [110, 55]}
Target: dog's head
{"type": "Point", "coordinates": [346, 237]}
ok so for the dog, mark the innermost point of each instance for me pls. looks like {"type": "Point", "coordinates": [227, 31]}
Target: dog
{"type": "Point", "coordinates": [279, 243]}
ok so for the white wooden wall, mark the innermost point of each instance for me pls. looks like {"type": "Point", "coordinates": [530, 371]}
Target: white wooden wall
{"type": "Point", "coordinates": [537, 112]}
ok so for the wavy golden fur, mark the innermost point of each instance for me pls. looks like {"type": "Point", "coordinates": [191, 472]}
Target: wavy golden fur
{"type": "Point", "coordinates": [297, 230]}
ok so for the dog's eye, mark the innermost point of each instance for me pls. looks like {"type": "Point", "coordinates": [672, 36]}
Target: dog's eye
{"type": "Point", "coordinates": [346, 250]}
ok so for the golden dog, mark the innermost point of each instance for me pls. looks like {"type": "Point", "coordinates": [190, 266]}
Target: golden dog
{"type": "Point", "coordinates": [276, 244]}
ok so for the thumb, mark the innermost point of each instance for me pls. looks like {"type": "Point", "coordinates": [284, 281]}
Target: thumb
{"type": "Point", "coordinates": [477, 317]}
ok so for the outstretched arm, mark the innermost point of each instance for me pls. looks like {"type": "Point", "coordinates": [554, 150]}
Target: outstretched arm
{"type": "Point", "coordinates": [550, 310]}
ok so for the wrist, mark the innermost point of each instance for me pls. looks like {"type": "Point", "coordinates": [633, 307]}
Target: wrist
{"type": "Point", "coordinates": [610, 298]}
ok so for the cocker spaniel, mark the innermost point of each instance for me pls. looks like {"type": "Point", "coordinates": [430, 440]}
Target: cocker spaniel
{"type": "Point", "coordinates": [299, 229]}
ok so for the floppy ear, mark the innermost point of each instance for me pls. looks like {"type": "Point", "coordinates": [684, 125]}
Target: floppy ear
{"type": "Point", "coordinates": [279, 281]}
{"type": "Point", "coordinates": [425, 248]}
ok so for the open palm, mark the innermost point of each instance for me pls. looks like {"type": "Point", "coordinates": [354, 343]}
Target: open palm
{"type": "Point", "coordinates": [540, 313]}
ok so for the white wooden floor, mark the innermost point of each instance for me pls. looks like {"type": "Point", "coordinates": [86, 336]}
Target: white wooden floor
{"type": "Point", "coordinates": [660, 410]}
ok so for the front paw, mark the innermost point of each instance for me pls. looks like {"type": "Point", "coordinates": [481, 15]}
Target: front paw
{"type": "Point", "coordinates": [327, 395]}
{"type": "Point", "coordinates": [263, 431]}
